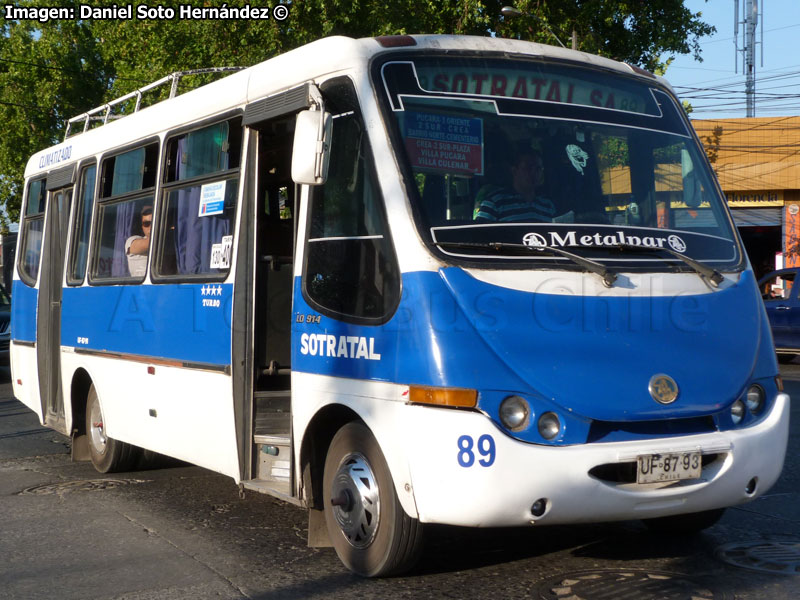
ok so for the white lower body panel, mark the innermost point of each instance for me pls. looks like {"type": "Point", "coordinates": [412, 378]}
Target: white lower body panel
{"type": "Point", "coordinates": [25, 377]}
{"type": "Point", "coordinates": [183, 413]}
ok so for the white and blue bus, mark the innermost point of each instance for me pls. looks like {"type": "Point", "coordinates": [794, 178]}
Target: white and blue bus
{"type": "Point", "coordinates": [399, 281]}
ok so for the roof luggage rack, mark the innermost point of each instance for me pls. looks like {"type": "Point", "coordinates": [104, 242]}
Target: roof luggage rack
{"type": "Point", "coordinates": [103, 112]}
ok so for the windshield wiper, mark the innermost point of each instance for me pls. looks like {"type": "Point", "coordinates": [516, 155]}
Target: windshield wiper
{"type": "Point", "coordinates": [609, 277]}
{"type": "Point", "coordinates": [714, 276]}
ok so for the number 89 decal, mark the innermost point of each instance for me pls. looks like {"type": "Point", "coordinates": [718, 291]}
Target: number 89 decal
{"type": "Point", "coordinates": [466, 451]}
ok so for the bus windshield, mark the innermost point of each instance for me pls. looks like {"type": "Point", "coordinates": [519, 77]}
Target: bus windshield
{"type": "Point", "coordinates": [500, 154]}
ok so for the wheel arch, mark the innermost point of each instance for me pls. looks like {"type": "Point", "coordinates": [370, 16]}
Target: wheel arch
{"type": "Point", "coordinates": [79, 392]}
{"type": "Point", "coordinates": [314, 448]}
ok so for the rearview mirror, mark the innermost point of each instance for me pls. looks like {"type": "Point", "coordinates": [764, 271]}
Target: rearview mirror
{"type": "Point", "coordinates": [310, 152]}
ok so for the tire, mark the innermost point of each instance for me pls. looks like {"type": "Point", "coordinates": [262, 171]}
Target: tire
{"type": "Point", "coordinates": [372, 534]}
{"type": "Point", "coordinates": [687, 524]}
{"type": "Point", "coordinates": [108, 455]}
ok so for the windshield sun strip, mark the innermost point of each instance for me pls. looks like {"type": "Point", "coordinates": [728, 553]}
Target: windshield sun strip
{"type": "Point", "coordinates": [489, 97]}
{"type": "Point", "coordinates": [620, 117]}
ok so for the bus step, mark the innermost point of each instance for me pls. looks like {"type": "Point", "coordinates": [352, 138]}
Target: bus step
{"type": "Point", "coordinates": [272, 413]}
{"type": "Point", "coordinates": [274, 457]}
{"type": "Point", "coordinates": [278, 489]}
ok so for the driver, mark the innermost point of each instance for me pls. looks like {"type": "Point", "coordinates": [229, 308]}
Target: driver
{"type": "Point", "coordinates": [520, 202]}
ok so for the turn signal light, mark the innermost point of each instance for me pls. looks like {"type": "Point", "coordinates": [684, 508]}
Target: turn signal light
{"type": "Point", "coordinates": [455, 397]}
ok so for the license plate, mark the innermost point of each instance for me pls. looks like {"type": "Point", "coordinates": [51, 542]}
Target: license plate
{"type": "Point", "coordinates": [655, 468]}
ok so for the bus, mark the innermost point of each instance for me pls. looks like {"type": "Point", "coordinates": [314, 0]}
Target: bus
{"type": "Point", "coordinates": [401, 281]}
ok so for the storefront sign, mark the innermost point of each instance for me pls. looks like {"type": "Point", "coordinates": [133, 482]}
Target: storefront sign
{"type": "Point", "coordinates": [755, 199]}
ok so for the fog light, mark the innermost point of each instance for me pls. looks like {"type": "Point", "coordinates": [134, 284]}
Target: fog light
{"type": "Point", "coordinates": [539, 507]}
{"type": "Point", "coordinates": [515, 413]}
{"type": "Point", "coordinates": [737, 412]}
{"type": "Point", "coordinates": [755, 399]}
{"type": "Point", "coordinates": [549, 425]}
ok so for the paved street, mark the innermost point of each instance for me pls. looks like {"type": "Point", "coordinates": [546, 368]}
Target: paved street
{"type": "Point", "coordinates": [183, 532]}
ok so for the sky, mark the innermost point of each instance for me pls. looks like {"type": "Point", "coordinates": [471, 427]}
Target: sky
{"type": "Point", "coordinates": [713, 87]}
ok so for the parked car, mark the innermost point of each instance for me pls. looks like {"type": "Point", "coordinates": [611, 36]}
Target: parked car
{"type": "Point", "coordinates": [5, 325]}
{"type": "Point", "coordinates": [783, 309]}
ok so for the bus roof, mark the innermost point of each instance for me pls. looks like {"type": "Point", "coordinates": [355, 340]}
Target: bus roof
{"type": "Point", "coordinates": [319, 58]}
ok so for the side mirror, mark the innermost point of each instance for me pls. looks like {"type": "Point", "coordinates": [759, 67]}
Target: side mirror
{"type": "Point", "coordinates": [310, 152]}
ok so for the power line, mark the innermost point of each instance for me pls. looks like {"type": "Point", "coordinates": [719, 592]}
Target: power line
{"type": "Point", "coordinates": [728, 39]}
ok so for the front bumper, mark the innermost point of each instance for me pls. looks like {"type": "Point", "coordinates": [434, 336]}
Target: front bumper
{"type": "Point", "coordinates": [499, 488]}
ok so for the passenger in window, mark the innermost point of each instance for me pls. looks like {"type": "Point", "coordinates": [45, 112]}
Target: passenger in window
{"type": "Point", "coordinates": [137, 246]}
{"type": "Point", "coordinates": [520, 202]}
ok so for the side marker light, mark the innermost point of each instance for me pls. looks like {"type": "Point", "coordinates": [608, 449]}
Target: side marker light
{"type": "Point", "coordinates": [453, 397]}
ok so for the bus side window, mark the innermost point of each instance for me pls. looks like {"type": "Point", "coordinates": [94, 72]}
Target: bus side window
{"type": "Point", "coordinates": [351, 270]}
{"type": "Point", "coordinates": [32, 231]}
{"type": "Point", "coordinates": [125, 208]}
{"type": "Point", "coordinates": [83, 220]}
{"type": "Point", "coordinates": [198, 218]}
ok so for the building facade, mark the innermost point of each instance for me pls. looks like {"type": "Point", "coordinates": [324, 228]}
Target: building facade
{"type": "Point", "coordinates": [757, 162]}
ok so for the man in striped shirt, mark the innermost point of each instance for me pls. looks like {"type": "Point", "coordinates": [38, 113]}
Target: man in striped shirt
{"type": "Point", "coordinates": [520, 202]}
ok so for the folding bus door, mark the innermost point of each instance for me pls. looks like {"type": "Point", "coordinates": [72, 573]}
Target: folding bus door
{"type": "Point", "coordinates": [271, 194]}
{"type": "Point", "coordinates": [48, 326]}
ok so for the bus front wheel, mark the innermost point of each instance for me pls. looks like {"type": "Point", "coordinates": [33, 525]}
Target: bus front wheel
{"type": "Point", "coordinates": [108, 455]}
{"type": "Point", "coordinates": [367, 526]}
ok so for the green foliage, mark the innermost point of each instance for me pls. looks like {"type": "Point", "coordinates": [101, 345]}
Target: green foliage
{"type": "Point", "coordinates": [644, 33]}
{"type": "Point", "coordinates": [55, 70]}
{"type": "Point", "coordinates": [49, 72]}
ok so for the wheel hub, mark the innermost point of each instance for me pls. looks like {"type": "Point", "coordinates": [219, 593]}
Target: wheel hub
{"type": "Point", "coordinates": [97, 434]}
{"type": "Point", "coordinates": [355, 498]}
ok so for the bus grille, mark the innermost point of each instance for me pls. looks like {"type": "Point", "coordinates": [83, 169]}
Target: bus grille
{"type": "Point", "coordinates": [619, 431]}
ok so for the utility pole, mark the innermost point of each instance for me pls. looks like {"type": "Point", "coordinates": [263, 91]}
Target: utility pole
{"type": "Point", "coordinates": [749, 21]}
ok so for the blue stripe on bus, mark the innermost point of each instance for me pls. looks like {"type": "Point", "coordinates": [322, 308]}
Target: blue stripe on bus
{"type": "Point", "coordinates": [187, 322]}
{"type": "Point", "coordinates": [23, 312]}
{"type": "Point", "coordinates": [594, 355]}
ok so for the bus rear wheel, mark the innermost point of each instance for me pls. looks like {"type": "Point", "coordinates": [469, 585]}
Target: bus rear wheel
{"type": "Point", "coordinates": [372, 534]}
{"type": "Point", "coordinates": [107, 454]}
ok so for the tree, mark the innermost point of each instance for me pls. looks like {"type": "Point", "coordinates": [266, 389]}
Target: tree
{"type": "Point", "coordinates": [60, 68]}
{"type": "Point", "coordinates": [646, 34]}
{"type": "Point", "coordinates": [49, 72]}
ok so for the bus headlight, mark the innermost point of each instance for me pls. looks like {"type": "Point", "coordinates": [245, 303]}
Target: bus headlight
{"type": "Point", "coordinates": [515, 413]}
{"type": "Point", "coordinates": [755, 399]}
{"type": "Point", "coordinates": [549, 425]}
{"type": "Point", "coordinates": [737, 412]}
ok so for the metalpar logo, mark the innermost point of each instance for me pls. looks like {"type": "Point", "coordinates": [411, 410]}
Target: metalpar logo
{"type": "Point", "coordinates": [618, 238]}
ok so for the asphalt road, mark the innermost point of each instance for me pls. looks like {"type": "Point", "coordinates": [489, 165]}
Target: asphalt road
{"type": "Point", "coordinates": [67, 532]}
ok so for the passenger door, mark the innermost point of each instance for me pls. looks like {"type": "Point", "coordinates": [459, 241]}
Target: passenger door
{"type": "Point", "coordinates": [48, 328]}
